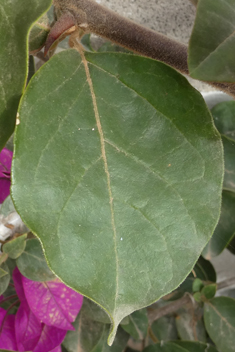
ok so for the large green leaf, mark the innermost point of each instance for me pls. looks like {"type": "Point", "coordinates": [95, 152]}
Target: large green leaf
{"type": "Point", "coordinates": [118, 169]}
{"type": "Point", "coordinates": [16, 17]}
{"type": "Point", "coordinates": [225, 229]}
{"type": "Point", "coordinates": [212, 43]}
{"type": "Point", "coordinates": [219, 317]}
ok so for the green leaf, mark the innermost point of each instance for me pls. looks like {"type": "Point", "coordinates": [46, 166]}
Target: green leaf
{"type": "Point", "coordinates": [108, 184]}
{"type": "Point", "coordinates": [138, 324]}
{"type": "Point", "coordinates": [203, 270]}
{"type": "Point", "coordinates": [212, 43]}
{"type": "Point", "coordinates": [118, 345]}
{"type": "Point", "coordinates": [94, 312]}
{"type": "Point", "coordinates": [231, 246]}
{"type": "Point", "coordinates": [3, 258]}
{"type": "Point", "coordinates": [38, 34]}
{"type": "Point", "coordinates": [7, 207]}
{"type": "Point", "coordinates": [190, 326]}
{"type": "Point", "coordinates": [32, 263]}
{"type": "Point", "coordinates": [219, 320]}
{"type": "Point", "coordinates": [224, 118]}
{"type": "Point", "coordinates": [198, 297]}
{"type": "Point", "coordinates": [86, 334]}
{"type": "Point", "coordinates": [4, 280]}
{"type": "Point", "coordinates": [164, 347]}
{"type": "Point", "coordinates": [229, 160]}
{"type": "Point", "coordinates": [15, 247]}
{"type": "Point", "coordinates": [192, 346]}
{"type": "Point", "coordinates": [3, 273]}
{"type": "Point", "coordinates": [209, 291]}
{"type": "Point", "coordinates": [90, 335]}
{"type": "Point", "coordinates": [164, 328]}
{"type": "Point", "coordinates": [16, 19]}
{"type": "Point", "coordinates": [197, 285]}
{"type": "Point", "coordinates": [225, 229]}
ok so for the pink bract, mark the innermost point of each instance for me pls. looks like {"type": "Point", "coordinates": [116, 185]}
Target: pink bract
{"type": "Point", "coordinates": [7, 335]}
{"type": "Point", "coordinates": [5, 173]}
{"type": "Point", "coordinates": [53, 302]}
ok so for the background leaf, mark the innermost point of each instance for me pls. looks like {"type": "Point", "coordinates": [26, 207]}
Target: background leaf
{"type": "Point", "coordinates": [224, 118]}
{"type": "Point", "coordinates": [15, 247]}
{"type": "Point", "coordinates": [225, 229]}
{"type": "Point", "coordinates": [192, 346]}
{"type": "Point", "coordinates": [121, 210]}
{"type": "Point", "coordinates": [164, 329]}
{"type": "Point", "coordinates": [32, 263]}
{"type": "Point", "coordinates": [212, 43]}
{"type": "Point", "coordinates": [16, 18]}
{"type": "Point", "coordinates": [190, 325]}
{"type": "Point", "coordinates": [219, 320]}
{"type": "Point", "coordinates": [4, 280]}
{"type": "Point", "coordinates": [229, 160]}
{"type": "Point", "coordinates": [138, 324]}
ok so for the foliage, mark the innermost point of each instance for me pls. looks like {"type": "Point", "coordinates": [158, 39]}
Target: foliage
{"type": "Point", "coordinates": [122, 190]}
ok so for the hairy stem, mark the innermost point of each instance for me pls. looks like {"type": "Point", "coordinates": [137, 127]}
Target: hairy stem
{"type": "Point", "coordinates": [95, 18]}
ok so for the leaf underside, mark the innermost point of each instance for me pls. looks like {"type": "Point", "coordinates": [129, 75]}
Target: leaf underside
{"type": "Point", "coordinates": [118, 170]}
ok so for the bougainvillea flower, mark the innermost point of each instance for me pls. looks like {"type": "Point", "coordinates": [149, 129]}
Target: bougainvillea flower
{"type": "Point", "coordinates": [7, 334]}
{"type": "Point", "coordinates": [5, 173]}
{"type": "Point", "coordinates": [53, 302]}
{"type": "Point", "coordinates": [32, 334]}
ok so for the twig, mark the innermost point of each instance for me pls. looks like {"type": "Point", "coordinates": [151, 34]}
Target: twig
{"type": "Point", "coordinates": [7, 312]}
{"type": "Point", "coordinates": [95, 18]}
{"type": "Point", "coordinates": [8, 298]}
{"type": "Point", "coordinates": [169, 308]}
{"type": "Point", "coordinates": [226, 283]}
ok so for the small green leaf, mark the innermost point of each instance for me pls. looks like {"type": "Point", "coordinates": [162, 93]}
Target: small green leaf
{"type": "Point", "coordinates": [203, 270]}
{"type": "Point", "coordinates": [15, 247]}
{"type": "Point", "coordinates": [209, 291]}
{"type": "Point", "coordinates": [7, 207]}
{"type": "Point", "coordinates": [3, 258]}
{"type": "Point", "coordinates": [138, 324]}
{"type": "Point", "coordinates": [165, 329]}
{"type": "Point", "coordinates": [219, 320]}
{"type": "Point", "coordinates": [32, 263]}
{"type": "Point", "coordinates": [192, 346]}
{"type": "Point", "coordinates": [38, 34]}
{"type": "Point", "coordinates": [108, 184]}
{"type": "Point", "coordinates": [197, 296]}
{"type": "Point", "coordinates": [224, 118]}
{"type": "Point", "coordinates": [4, 280]}
{"type": "Point", "coordinates": [16, 19]}
{"type": "Point", "coordinates": [191, 327]}
{"type": "Point", "coordinates": [3, 272]}
{"type": "Point", "coordinates": [211, 46]}
{"type": "Point", "coordinates": [225, 229]}
{"type": "Point", "coordinates": [197, 285]}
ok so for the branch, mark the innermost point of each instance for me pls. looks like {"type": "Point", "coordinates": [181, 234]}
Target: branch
{"type": "Point", "coordinates": [169, 308]}
{"type": "Point", "coordinates": [95, 18]}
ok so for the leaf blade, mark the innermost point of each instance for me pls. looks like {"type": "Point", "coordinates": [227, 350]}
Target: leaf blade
{"type": "Point", "coordinates": [126, 109]}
